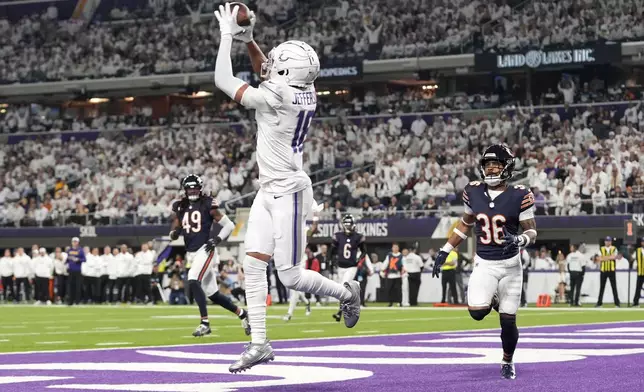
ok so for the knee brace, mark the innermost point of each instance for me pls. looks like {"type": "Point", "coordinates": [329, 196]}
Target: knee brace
{"type": "Point", "coordinates": [291, 277]}
{"type": "Point", "coordinates": [479, 314]}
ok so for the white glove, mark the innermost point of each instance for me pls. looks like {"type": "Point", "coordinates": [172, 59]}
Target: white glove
{"type": "Point", "coordinates": [228, 20]}
{"type": "Point", "coordinates": [247, 35]}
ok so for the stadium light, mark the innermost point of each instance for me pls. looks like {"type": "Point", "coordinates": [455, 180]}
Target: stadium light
{"type": "Point", "coordinates": [98, 100]}
{"type": "Point", "coordinates": [201, 94]}
{"type": "Point", "coordinates": [128, 99]}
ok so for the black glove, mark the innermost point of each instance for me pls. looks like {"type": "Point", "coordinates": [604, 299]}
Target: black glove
{"type": "Point", "coordinates": [441, 258]}
{"type": "Point", "coordinates": [512, 242]}
{"type": "Point", "coordinates": [174, 235]}
{"type": "Point", "coordinates": [212, 243]}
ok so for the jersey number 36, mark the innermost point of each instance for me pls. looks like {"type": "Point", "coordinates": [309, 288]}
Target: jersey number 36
{"type": "Point", "coordinates": [191, 222]}
{"type": "Point", "coordinates": [492, 229]}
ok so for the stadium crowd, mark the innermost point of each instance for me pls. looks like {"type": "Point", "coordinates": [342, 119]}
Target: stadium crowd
{"type": "Point", "coordinates": [162, 41]}
{"type": "Point", "coordinates": [576, 159]}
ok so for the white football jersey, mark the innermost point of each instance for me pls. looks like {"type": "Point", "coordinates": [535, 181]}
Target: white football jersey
{"type": "Point", "coordinates": [282, 127]}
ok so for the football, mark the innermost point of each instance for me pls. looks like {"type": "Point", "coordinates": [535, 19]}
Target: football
{"type": "Point", "coordinates": [243, 18]}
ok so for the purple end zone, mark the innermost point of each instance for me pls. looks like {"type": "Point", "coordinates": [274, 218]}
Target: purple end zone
{"type": "Point", "coordinates": [596, 357]}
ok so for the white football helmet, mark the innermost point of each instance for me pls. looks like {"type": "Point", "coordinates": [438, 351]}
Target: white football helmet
{"type": "Point", "coordinates": [294, 62]}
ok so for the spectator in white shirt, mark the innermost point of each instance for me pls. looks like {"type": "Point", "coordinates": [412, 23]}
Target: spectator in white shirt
{"type": "Point", "coordinates": [6, 274]}
{"type": "Point", "coordinates": [544, 262]}
{"type": "Point", "coordinates": [599, 200]}
{"type": "Point", "coordinates": [44, 272]}
{"type": "Point", "coordinates": [21, 271]}
{"type": "Point", "coordinates": [60, 269]}
{"type": "Point", "coordinates": [90, 270]}
{"type": "Point", "coordinates": [144, 261]}
{"type": "Point", "coordinates": [419, 126]}
{"type": "Point", "coordinates": [422, 188]}
{"type": "Point", "coordinates": [126, 271]}
{"type": "Point", "coordinates": [113, 272]}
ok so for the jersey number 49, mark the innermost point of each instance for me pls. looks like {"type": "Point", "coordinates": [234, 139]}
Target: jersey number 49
{"type": "Point", "coordinates": [191, 222]}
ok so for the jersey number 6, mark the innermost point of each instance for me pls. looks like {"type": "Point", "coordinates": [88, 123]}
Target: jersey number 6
{"type": "Point", "coordinates": [191, 222]}
{"type": "Point", "coordinates": [302, 128]}
{"type": "Point", "coordinates": [347, 251]}
{"type": "Point", "coordinates": [492, 229]}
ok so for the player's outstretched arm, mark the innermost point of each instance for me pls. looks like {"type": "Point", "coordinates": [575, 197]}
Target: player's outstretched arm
{"type": "Point", "coordinates": [257, 57]}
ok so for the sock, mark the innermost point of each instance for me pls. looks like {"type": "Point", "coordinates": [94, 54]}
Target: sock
{"type": "Point", "coordinates": [200, 298]}
{"type": "Point", "coordinates": [256, 293]}
{"type": "Point", "coordinates": [223, 301]}
{"type": "Point", "coordinates": [308, 281]}
{"type": "Point", "coordinates": [509, 335]}
{"type": "Point", "coordinates": [292, 302]}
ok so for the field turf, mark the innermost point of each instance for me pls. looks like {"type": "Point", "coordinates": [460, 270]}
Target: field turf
{"type": "Point", "coordinates": [31, 328]}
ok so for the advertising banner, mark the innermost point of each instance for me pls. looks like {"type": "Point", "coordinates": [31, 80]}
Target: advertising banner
{"type": "Point", "coordinates": [429, 227]}
{"type": "Point", "coordinates": [547, 59]}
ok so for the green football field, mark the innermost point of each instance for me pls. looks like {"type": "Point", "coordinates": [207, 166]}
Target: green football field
{"type": "Point", "coordinates": [30, 328]}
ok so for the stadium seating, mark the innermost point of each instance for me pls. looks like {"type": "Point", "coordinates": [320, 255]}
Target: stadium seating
{"type": "Point", "coordinates": [165, 40]}
{"type": "Point", "coordinates": [412, 165]}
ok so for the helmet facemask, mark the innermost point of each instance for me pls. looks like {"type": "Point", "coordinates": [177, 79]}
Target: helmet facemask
{"type": "Point", "coordinates": [193, 194]}
{"type": "Point", "coordinates": [494, 171]}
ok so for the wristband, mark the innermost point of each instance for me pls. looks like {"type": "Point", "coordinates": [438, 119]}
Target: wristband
{"type": "Point", "coordinates": [447, 247]}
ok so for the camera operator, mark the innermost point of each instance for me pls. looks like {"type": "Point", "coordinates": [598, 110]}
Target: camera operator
{"type": "Point", "coordinates": [176, 273]}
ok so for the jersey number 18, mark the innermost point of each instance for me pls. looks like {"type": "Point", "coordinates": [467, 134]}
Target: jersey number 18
{"type": "Point", "coordinates": [302, 128]}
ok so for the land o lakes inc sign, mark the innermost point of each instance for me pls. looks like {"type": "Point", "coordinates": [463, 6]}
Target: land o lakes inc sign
{"type": "Point", "coordinates": [542, 58]}
{"type": "Point", "coordinates": [537, 58]}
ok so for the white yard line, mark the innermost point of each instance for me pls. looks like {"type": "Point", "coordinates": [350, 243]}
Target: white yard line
{"type": "Point", "coordinates": [95, 332]}
{"type": "Point", "coordinates": [55, 342]}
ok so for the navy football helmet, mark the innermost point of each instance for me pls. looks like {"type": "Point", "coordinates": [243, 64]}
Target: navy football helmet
{"type": "Point", "coordinates": [502, 154]}
{"type": "Point", "coordinates": [348, 223]}
{"type": "Point", "coordinates": [192, 185]}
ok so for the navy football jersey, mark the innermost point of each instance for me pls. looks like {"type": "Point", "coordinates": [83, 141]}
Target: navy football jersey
{"type": "Point", "coordinates": [195, 220]}
{"type": "Point", "coordinates": [494, 216]}
{"type": "Point", "coordinates": [347, 246]}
